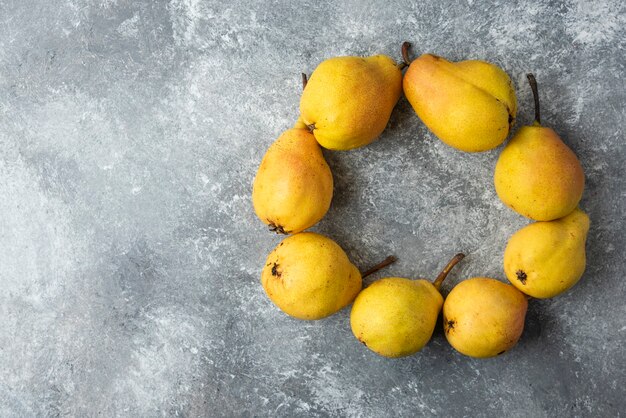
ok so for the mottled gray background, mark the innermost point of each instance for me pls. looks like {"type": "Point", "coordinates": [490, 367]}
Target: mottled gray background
{"type": "Point", "coordinates": [130, 132]}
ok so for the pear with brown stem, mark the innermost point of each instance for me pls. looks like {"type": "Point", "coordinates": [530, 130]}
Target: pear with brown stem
{"type": "Point", "coordinates": [537, 175]}
{"type": "Point", "coordinates": [309, 276]}
{"type": "Point", "coordinates": [396, 317]}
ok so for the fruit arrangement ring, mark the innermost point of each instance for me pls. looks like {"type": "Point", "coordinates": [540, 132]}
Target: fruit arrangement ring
{"type": "Point", "coordinates": [469, 105]}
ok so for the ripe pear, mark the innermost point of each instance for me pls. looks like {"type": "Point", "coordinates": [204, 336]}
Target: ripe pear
{"type": "Point", "coordinates": [483, 317]}
{"type": "Point", "coordinates": [309, 276]}
{"type": "Point", "coordinates": [469, 105]}
{"type": "Point", "coordinates": [347, 101]}
{"type": "Point", "coordinates": [395, 317]}
{"type": "Point", "coordinates": [544, 259]}
{"type": "Point", "coordinates": [293, 187]}
{"type": "Point", "coordinates": [537, 175]}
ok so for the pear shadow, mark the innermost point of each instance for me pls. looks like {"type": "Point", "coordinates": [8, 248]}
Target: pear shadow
{"type": "Point", "coordinates": [345, 194]}
{"type": "Point", "coordinates": [404, 127]}
{"type": "Point", "coordinates": [537, 318]}
{"type": "Point", "coordinates": [603, 209]}
{"type": "Point", "coordinates": [405, 135]}
{"type": "Point", "coordinates": [344, 189]}
{"type": "Point", "coordinates": [599, 237]}
{"type": "Point", "coordinates": [439, 333]}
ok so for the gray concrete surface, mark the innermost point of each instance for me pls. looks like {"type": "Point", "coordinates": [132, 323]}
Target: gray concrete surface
{"type": "Point", "coordinates": [130, 255]}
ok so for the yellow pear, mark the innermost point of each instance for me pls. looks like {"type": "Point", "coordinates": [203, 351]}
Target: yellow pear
{"type": "Point", "coordinates": [469, 105]}
{"type": "Point", "coordinates": [395, 317]}
{"type": "Point", "coordinates": [537, 175]}
{"type": "Point", "coordinates": [484, 317]}
{"type": "Point", "coordinates": [544, 259]}
{"type": "Point", "coordinates": [309, 276]}
{"type": "Point", "coordinates": [293, 187]}
{"type": "Point", "coordinates": [347, 101]}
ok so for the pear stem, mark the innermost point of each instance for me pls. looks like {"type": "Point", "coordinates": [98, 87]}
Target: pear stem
{"type": "Point", "coordinates": [446, 270]}
{"type": "Point", "coordinates": [533, 86]}
{"type": "Point", "coordinates": [405, 53]}
{"type": "Point", "coordinates": [304, 80]}
{"type": "Point", "coordinates": [389, 260]}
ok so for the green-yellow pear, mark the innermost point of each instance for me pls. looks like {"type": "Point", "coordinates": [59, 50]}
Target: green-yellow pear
{"type": "Point", "coordinates": [347, 101]}
{"type": "Point", "coordinates": [544, 259]}
{"type": "Point", "coordinates": [537, 175]}
{"type": "Point", "coordinates": [293, 187]}
{"type": "Point", "coordinates": [395, 317]}
{"type": "Point", "coordinates": [483, 317]}
{"type": "Point", "coordinates": [469, 105]}
{"type": "Point", "coordinates": [309, 276]}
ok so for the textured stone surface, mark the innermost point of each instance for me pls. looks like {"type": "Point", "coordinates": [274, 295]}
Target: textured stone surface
{"type": "Point", "coordinates": [130, 255]}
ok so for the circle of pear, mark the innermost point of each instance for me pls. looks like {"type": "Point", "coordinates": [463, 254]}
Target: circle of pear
{"type": "Point", "coordinates": [469, 105]}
